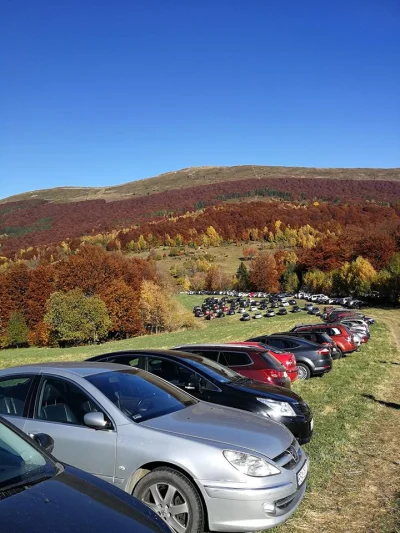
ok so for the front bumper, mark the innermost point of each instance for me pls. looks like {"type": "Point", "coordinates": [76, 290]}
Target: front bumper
{"type": "Point", "coordinates": [238, 510]}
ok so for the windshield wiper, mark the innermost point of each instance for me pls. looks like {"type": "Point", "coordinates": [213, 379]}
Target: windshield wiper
{"type": "Point", "coordinates": [25, 483]}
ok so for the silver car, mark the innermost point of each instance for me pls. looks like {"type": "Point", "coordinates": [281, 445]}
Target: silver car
{"type": "Point", "coordinates": [196, 464]}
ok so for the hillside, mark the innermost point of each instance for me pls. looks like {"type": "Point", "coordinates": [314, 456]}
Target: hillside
{"type": "Point", "coordinates": [200, 176]}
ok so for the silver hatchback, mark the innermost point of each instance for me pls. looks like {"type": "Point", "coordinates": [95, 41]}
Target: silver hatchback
{"type": "Point", "coordinates": [196, 464]}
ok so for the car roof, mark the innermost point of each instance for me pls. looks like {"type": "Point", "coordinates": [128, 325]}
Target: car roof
{"type": "Point", "coordinates": [284, 336]}
{"type": "Point", "coordinates": [219, 346]}
{"type": "Point", "coordinates": [82, 369]}
{"type": "Point", "coordinates": [176, 354]}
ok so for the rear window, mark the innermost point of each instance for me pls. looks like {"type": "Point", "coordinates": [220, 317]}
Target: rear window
{"type": "Point", "coordinates": [272, 361]}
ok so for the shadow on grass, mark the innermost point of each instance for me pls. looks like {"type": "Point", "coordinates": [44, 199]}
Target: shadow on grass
{"type": "Point", "coordinates": [389, 363]}
{"type": "Point", "coordinates": [392, 405]}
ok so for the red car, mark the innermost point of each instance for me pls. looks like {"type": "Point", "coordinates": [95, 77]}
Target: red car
{"type": "Point", "coordinates": [287, 359]}
{"type": "Point", "coordinates": [250, 361]}
{"type": "Point", "coordinates": [340, 334]}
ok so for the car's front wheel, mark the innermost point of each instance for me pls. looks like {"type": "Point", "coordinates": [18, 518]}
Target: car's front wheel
{"type": "Point", "coordinates": [174, 498]}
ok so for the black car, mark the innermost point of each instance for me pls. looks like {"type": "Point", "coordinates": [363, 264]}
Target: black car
{"type": "Point", "coordinates": [296, 309]}
{"type": "Point", "coordinates": [40, 495]}
{"type": "Point", "coordinates": [282, 311]}
{"type": "Point", "coordinates": [245, 317]}
{"type": "Point", "coordinates": [209, 381]}
{"type": "Point", "coordinates": [312, 359]}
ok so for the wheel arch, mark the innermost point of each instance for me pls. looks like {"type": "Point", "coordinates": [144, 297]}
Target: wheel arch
{"type": "Point", "coordinates": [149, 467]}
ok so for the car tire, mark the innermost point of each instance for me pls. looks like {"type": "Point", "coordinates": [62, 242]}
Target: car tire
{"type": "Point", "coordinates": [339, 353]}
{"type": "Point", "coordinates": [173, 489]}
{"type": "Point", "coordinates": [304, 371]}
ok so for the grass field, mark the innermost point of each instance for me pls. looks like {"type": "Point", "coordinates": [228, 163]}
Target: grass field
{"type": "Point", "coordinates": [355, 462]}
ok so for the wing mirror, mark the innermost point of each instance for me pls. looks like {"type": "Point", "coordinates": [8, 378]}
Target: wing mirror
{"type": "Point", "coordinates": [45, 441]}
{"type": "Point", "coordinates": [95, 420]}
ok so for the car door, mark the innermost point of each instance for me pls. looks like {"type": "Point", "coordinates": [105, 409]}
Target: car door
{"type": "Point", "coordinates": [15, 392]}
{"type": "Point", "coordinates": [58, 411]}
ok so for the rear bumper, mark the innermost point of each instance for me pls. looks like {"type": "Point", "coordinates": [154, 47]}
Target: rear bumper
{"type": "Point", "coordinates": [322, 366]}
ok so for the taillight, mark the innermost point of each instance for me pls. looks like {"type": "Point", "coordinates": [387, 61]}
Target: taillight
{"type": "Point", "coordinates": [323, 351]}
{"type": "Point", "coordinates": [270, 374]}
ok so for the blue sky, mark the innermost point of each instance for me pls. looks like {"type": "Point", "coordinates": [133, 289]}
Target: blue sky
{"type": "Point", "coordinates": [101, 92]}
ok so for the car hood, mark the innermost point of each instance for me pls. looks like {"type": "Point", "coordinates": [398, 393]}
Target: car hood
{"type": "Point", "coordinates": [268, 391]}
{"type": "Point", "coordinates": [75, 501]}
{"type": "Point", "coordinates": [225, 425]}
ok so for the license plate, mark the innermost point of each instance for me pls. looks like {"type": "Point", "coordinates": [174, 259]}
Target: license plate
{"type": "Point", "coordinates": [302, 474]}
{"type": "Point", "coordinates": [312, 424]}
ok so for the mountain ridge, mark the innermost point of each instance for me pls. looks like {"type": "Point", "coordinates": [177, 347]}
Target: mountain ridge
{"type": "Point", "coordinates": [203, 175]}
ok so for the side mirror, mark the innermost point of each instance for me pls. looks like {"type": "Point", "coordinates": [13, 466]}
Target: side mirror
{"type": "Point", "coordinates": [95, 420]}
{"type": "Point", "coordinates": [45, 441]}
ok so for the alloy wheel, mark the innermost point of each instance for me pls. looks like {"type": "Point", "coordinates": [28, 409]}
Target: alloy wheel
{"type": "Point", "coordinates": [169, 503]}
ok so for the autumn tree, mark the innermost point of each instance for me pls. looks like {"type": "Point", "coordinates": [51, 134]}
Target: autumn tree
{"type": "Point", "coordinates": [263, 274]}
{"type": "Point", "coordinates": [75, 318]}
{"type": "Point", "coordinates": [216, 279]}
{"type": "Point", "coordinates": [121, 302]}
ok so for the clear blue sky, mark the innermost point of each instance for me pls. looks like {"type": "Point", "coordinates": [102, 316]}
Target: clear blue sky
{"type": "Point", "coordinates": [101, 92]}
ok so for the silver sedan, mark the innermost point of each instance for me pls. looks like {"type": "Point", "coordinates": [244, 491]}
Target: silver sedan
{"type": "Point", "coordinates": [196, 464]}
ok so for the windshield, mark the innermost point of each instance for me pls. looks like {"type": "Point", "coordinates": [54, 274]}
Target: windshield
{"type": "Point", "coordinates": [140, 395]}
{"type": "Point", "coordinates": [214, 370]}
{"type": "Point", "coordinates": [20, 462]}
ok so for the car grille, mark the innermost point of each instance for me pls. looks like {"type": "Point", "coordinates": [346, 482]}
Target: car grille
{"type": "Point", "coordinates": [290, 457]}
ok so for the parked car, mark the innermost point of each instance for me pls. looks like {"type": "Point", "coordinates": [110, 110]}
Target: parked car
{"type": "Point", "coordinates": [157, 442]}
{"type": "Point", "coordinates": [282, 311]}
{"type": "Point", "coordinates": [311, 358]}
{"type": "Point", "coordinates": [296, 309]}
{"type": "Point", "coordinates": [250, 361]}
{"type": "Point", "coordinates": [318, 338]}
{"type": "Point", "coordinates": [314, 311]}
{"type": "Point", "coordinates": [39, 494]}
{"type": "Point", "coordinates": [270, 313]}
{"type": "Point", "coordinates": [257, 315]}
{"type": "Point", "coordinates": [338, 332]}
{"type": "Point", "coordinates": [245, 317]}
{"type": "Point", "coordinates": [209, 381]}
{"type": "Point", "coordinates": [287, 359]}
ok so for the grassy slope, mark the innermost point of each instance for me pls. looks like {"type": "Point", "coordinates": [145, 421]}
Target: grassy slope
{"type": "Point", "coordinates": [190, 177]}
{"type": "Point", "coordinates": [343, 416]}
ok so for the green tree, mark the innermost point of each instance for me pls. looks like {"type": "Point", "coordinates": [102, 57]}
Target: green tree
{"type": "Point", "coordinates": [74, 318]}
{"type": "Point", "coordinates": [290, 281]}
{"type": "Point", "coordinates": [16, 331]}
{"type": "Point", "coordinates": [242, 276]}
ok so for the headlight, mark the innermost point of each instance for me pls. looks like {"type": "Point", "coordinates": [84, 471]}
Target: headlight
{"type": "Point", "coordinates": [278, 408]}
{"type": "Point", "coordinates": [250, 464]}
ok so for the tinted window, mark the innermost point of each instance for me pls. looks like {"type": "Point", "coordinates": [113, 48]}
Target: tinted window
{"type": "Point", "coordinates": [19, 460]}
{"type": "Point", "coordinates": [237, 358]}
{"type": "Point", "coordinates": [291, 344]}
{"type": "Point", "coordinates": [13, 395]}
{"type": "Point", "coordinates": [214, 370]}
{"type": "Point", "coordinates": [62, 401]}
{"type": "Point", "coordinates": [179, 375]}
{"type": "Point", "coordinates": [213, 355]}
{"type": "Point", "coordinates": [276, 343]}
{"type": "Point", "coordinates": [139, 395]}
{"type": "Point", "coordinates": [129, 360]}
{"type": "Point", "coordinates": [272, 361]}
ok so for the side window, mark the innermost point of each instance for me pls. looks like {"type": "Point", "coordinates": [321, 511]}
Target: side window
{"type": "Point", "coordinates": [169, 370]}
{"type": "Point", "coordinates": [334, 331]}
{"type": "Point", "coordinates": [209, 354]}
{"type": "Point", "coordinates": [237, 358]}
{"type": "Point", "coordinates": [62, 401]}
{"type": "Point", "coordinates": [13, 395]}
{"type": "Point", "coordinates": [128, 360]}
{"type": "Point", "coordinates": [290, 344]}
{"type": "Point", "coordinates": [276, 343]}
